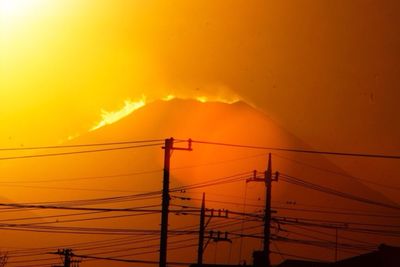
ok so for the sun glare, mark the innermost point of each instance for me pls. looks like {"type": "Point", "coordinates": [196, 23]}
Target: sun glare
{"type": "Point", "coordinates": [12, 8]}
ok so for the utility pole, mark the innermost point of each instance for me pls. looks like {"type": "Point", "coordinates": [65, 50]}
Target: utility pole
{"type": "Point", "coordinates": [165, 202]}
{"type": "Point", "coordinates": [336, 245]}
{"type": "Point", "coordinates": [262, 258]}
{"type": "Point", "coordinates": [67, 261]}
{"type": "Point", "coordinates": [267, 219]}
{"type": "Point", "coordinates": [216, 236]}
{"type": "Point", "coordinates": [201, 232]}
{"type": "Point", "coordinates": [168, 147]}
{"type": "Point", "coordinates": [67, 253]}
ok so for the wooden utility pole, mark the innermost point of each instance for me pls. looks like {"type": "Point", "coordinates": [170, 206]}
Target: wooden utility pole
{"type": "Point", "coordinates": [201, 232]}
{"type": "Point", "coordinates": [267, 218]}
{"type": "Point", "coordinates": [216, 236]}
{"type": "Point", "coordinates": [165, 202]}
{"type": "Point", "coordinates": [67, 261]}
{"type": "Point", "coordinates": [168, 147]}
{"type": "Point", "coordinates": [262, 258]}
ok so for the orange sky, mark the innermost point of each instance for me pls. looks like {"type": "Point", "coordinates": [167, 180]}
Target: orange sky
{"type": "Point", "coordinates": [327, 71]}
{"type": "Point", "coordinates": [315, 67]}
{"type": "Point", "coordinates": [303, 63]}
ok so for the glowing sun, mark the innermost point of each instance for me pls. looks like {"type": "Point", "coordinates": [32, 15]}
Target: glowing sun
{"type": "Point", "coordinates": [11, 8]}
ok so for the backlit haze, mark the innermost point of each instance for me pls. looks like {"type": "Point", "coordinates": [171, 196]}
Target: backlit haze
{"type": "Point", "coordinates": [304, 74]}
{"type": "Point", "coordinates": [62, 62]}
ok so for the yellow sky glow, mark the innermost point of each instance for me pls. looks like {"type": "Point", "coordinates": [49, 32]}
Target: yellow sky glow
{"type": "Point", "coordinates": [11, 8]}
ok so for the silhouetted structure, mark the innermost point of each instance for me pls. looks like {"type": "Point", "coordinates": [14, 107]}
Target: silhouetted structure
{"type": "Point", "coordinates": [262, 258]}
{"type": "Point", "coordinates": [168, 148]}
{"type": "Point", "coordinates": [259, 259]}
{"type": "Point", "coordinates": [303, 263]}
{"type": "Point", "coordinates": [216, 265]}
{"type": "Point", "coordinates": [385, 256]}
{"type": "Point", "coordinates": [68, 260]}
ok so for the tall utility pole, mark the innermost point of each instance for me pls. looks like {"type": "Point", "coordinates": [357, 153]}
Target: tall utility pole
{"type": "Point", "coordinates": [267, 219]}
{"type": "Point", "coordinates": [336, 245]}
{"type": "Point", "coordinates": [216, 236]}
{"type": "Point", "coordinates": [168, 147]}
{"type": "Point", "coordinates": [261, 258]}
{"type": "Point", "coordinates": [201, 232]}
{"type": "Point", "coordinates": [169, 143]}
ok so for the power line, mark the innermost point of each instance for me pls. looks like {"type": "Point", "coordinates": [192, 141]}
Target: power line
{"type": "Point", "coordinates": [77, 152]}
{"type": "Point", "coordinates": [188, 187]}
{"type": "Point", "coordinates": [332, 235]}
{"type": "Point", "coordinates": [332, 153]}
{"type": "Point", "coordinates": [69, 179]}
{"type": "Point", "coordinates": [92, 201]}
{"type": "Point", "coordinates": [81, 208]}
{"type": "Point", "coordinates": [13, 180]}
{"type": "Point", "coordinates": [327, 190]}
{"type": "Point", "coordinates": [332, 245]}
{"type": "Point", "coordinates": [49, 216]}
{"type": "Point", "coordinates": [298, 209]}
{"type": "Point", "coordinates": [319, 243]}
{"type": "Point", "coordinates": [212, 182]}
{"type": "Point", "coordinates": [96, 244]}
{"type": "Point", "coordinates": [152, 246]}
{"type": "Point", "coordinates": [129, 260]}
{"type": "Point", "coordinates": [339, 212]}
{"type": "Point", "coordinates": [61, 205]}
{"type": "Point", "coordinates": [387, 186]}
{"type": "Point", "coordinates": [89, 230]}
{"type": "Point", "coordinates": [345, 226]}
{"type": "Point", "coordinates": [92, 219]}
{"type": "Point", "coordinates": [81, 145]}
{"type": "Point", "coordinates": [330, 208]}
{"type": "Point", "coordinates": [67, 188]}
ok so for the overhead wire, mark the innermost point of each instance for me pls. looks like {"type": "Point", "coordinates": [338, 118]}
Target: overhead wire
{"type": "Point", "coordinates": [81, 145]}
{"type": "Point", "coordinates": [387, 186]}
{"type": "Point", "coordinates": [352, 213]}
{"type": "Point", "coordinates": [307, 151]}
{"type": "Point", "coordinates": [324, 189]}
{"type": "Point", "coordinates": [213, 182]}
{"type": "Point", "coordinates": [77, 152]}
{"type": "Point", "coordinates": [69, 179]}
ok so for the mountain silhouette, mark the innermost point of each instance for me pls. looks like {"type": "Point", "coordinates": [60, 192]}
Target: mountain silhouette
{"type": "Point", "coordinates": [138, 170]}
